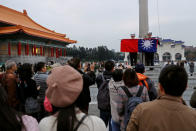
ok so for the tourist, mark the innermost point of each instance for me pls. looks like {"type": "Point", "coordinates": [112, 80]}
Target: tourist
{"type": "Point", "coordinates": [146, 81]}
{"type": "Point", "coordinates": [40, 78]}
{"type": "Point", "coordinates": [167, 113]}
{"type": "Point", "coordinates": [193, 100]}
{"type": "Point", "coordinates": [9, 80]}
{"type": "Point", "coordinates": [191, 67]}
{"type": "Point", "coordinates": [11, 120]}
{"type": "Point", "coordinates": [27, 89]}
{"type": "Point", "coordinates": [63, 92]}
{"type": "Point", "coordinates": [88, 80]}
{"type": "Point", "coordinates": [115, 83]}
{"type": "Point", "coordinates": [132, 83]}
{"type": "Point", "coordinates": [102, 81]}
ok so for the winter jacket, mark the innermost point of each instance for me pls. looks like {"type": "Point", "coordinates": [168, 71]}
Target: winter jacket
{"type": "Point", "coordinates": [10, 82]}
{"type": "Point", "coordinates": [114, 98]}
{"type": "Point", "coordinates": [193, 100]}
{"type": "Point", "coordinates": [88, 80]}
{"type": "Point", "coordinates": [123, 99]}
{"type": "Point", "coordinates": [191, 69]}
{"type": "Point", "coordinates": [99, 80]}
{"type": "Point", "coordinates": [27, 89]}
{"type": "Point", "coordinates": [166, 113]}
{"type": "Point", "coordinates": [152, 92]}
{"type": "Point", "coordinates": [40, 79]}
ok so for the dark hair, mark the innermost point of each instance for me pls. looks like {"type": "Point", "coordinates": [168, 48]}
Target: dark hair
{"type": "Point", "coordinates": [74, 62]}
{"type": "Point", "coordinates": [25, 71]}
{"type": "Point", "coordinates": [139, 68]}
{"type": "Point", "coordinates": [10, 120]}
{"type": "Point", "coordinates": [117, 75]}
{"type": "Point", "coordinates": [109, 65]}
{"type": "Point", "coordinates": [130, 78]}
{"type": "Point", "coordinates": [173, 80]}
{"type": "Point", "coordinates": [39, 66]}
{"type": "Point", "coordinates": [66, 118]}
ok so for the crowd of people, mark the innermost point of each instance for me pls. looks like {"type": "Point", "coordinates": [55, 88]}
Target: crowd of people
{"type": "Point", "coordinates": [35, 98]}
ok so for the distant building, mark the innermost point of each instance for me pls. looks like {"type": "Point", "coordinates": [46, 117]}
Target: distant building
{"type": "Point", "coordinates": [23, 40]}
{"type": "Point", "coordinates": [170, 50]}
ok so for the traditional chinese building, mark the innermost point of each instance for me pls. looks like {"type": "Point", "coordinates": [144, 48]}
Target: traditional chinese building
{"type": "Point", "coordinates": [24, 40]}
{"type": "Point", "coordinates": [170, 50]}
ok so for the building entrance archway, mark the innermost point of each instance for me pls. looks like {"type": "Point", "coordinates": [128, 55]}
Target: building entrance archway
{"type": "Point", "coordinates": [166, 56]}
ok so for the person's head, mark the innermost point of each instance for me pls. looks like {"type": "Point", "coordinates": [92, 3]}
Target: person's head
{"type": "Point", "coordinates": [139, 68]}
{"type": "Point", "coordinates": [9, 120]}
{"type": "Point", "coordinates": [109, 66]}
{"type": "Point", "coordinates": [173, 80]}
{"type": "Point", "coordinates": [75, 63]}
{"type": "Point", "coordinates": [130, 78]}
{"type": "Point", "coordinates": [117, 75]}
{"type": "Point", "coordinates": [64, 86]}
{"type": "Point", "coordinates": [41, 67]}
{"type": "Point", "coordinates": [25, 71]}
{"type": "Point", "coordinates": [11, 65]}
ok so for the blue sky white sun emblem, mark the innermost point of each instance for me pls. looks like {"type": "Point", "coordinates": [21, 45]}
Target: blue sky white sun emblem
{"type": "Point", "coordinates": [147, 44]}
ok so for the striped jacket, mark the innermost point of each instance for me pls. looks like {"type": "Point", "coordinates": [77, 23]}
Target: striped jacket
{"type": "Point", "coordinates": [40, 79]}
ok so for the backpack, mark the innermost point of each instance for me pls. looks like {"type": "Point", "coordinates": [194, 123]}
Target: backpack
{"type": "Point", "coordinates": [32, 105]}
{"type": "Point", "coordinates": [132, 102]}
{"type": "Point", "coordinates": [103, 97]}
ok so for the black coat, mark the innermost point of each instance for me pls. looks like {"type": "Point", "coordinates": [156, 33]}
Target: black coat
{"type": "Point", "coordinates": [88, 80]}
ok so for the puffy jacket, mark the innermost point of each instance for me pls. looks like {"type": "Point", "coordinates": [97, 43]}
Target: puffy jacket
{"type": "Point", "coordinates": [144, 80]}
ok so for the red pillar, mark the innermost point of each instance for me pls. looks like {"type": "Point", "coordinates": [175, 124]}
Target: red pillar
{"type": "Point", "coordinates": [41, 50]}
{"type": "Point", "coordinates": [9, 49]}
{"type": "Point", "coordinates": [64, 52]}
{"type": "Point", "coordinates": [57, 52]}
{"type": "Point", "coordinates": [19, 48]}
{"type": "Point", "coordinates": [61, 52]}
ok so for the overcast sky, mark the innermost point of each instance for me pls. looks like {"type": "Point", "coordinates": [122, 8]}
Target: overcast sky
{"type": "Point", "coordinates": [105, 22]}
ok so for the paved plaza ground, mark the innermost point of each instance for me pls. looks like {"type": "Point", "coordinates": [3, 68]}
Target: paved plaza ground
{"type": "Point", "coordinates": [93, 110]}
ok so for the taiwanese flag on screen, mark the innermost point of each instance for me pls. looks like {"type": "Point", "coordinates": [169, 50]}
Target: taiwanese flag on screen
{"type": "Point", "coordinates": [147, 45]}
{"type": "Point", "coordinates": [129, 45]}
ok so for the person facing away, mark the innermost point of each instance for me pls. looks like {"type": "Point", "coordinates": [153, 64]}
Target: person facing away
{"type": "Point", "coordinates": [193, 100]}
{"type": "Point", "coordinates": [88, 80]}
{"type": "Point", "coordinates": [191, 69]}
{"type": "Point", "coordinates": [40, 78]}
{"type": "Point", "coordinates": [9, 80]}
{"type": "Point", "coordinates": [146, 81]}
{"type": "Point", "coordinates": [63, 92]}
{"type": "Point", "coordinates": [115, 83]}
{"type": "Point", "coordinates": [11, 120]}
{"type": "Point", "coordinates": [167, 113]}
{"type": "Point", "coordinates": [132, 83]}
{"type": "Point", "coordinates": [27, 86]}
{"type": "Point", "coordinates": [105, 114]}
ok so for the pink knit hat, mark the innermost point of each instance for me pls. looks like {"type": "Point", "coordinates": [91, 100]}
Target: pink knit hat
{"type": "Point", "coordinates": [64, 86]}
